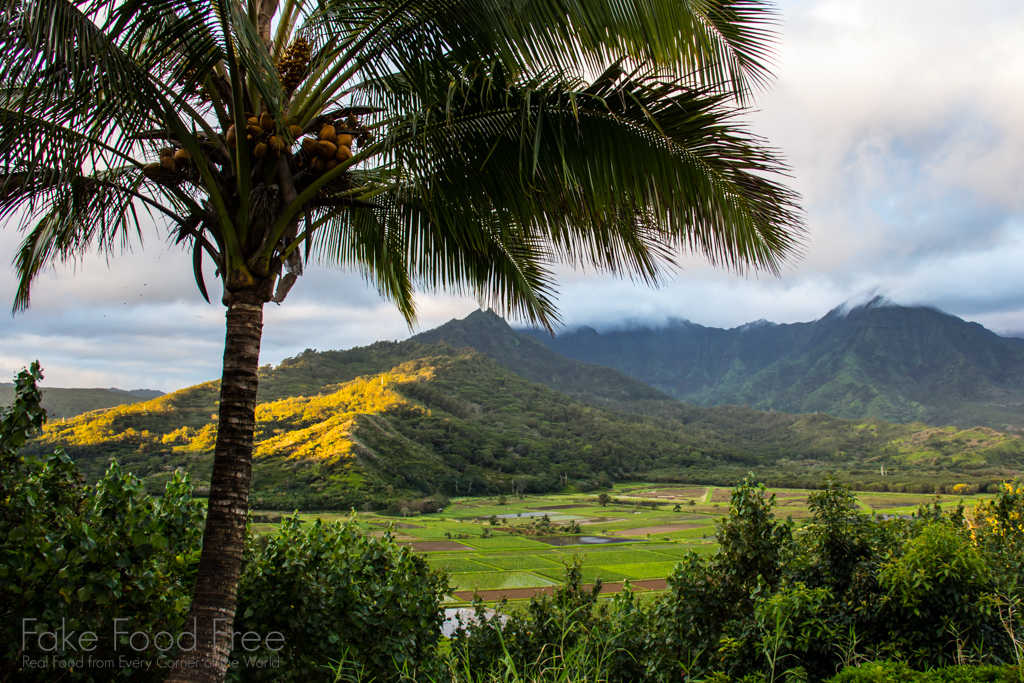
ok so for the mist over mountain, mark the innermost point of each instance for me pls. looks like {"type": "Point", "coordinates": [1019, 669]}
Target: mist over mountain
{"type": "Point", "coordinates": [877, 360]}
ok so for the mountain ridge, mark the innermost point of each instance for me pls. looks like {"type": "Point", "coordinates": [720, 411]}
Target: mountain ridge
{"type": "Point", "coordinates": [407, 419]}
{"type": "Point", "coordinates": [64, 402]}
{"type": "Point", "coordinates": [875, 360]}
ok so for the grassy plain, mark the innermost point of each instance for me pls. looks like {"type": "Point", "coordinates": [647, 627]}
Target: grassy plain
{"type": "Point", "coordinates": [509, 556]}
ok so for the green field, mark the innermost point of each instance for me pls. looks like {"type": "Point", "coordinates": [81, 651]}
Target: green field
{"type": "Point", "coordinates": [511, 557]}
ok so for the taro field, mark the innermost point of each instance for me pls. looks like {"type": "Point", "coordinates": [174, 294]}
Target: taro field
{"type": "Point", "coordinates": [513, 547]}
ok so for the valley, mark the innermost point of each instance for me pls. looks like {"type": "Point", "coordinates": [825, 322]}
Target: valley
{"type": "Point", "coordinates": [637, 538]}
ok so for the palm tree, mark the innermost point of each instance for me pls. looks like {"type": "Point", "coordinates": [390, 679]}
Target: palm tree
{"type": "Point", "coordinates": [468, 146]}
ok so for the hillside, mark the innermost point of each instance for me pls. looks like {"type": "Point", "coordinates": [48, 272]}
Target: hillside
{"type": "Point", "coordinates": [63, 403]}
{"type": "Point", "coordinates": [883, 361]}
{"type": "Point", "coordinates": [488, 333]}
{"type": "Point", "coordinates": [404, 420]}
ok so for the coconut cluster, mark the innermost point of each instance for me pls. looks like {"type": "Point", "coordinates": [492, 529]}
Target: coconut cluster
{"type": "Point", "coordinates": [328, 149]}
{"type": "Point", "coordinates": [174, 165]}
{"type": "Point", "coordinates": [261, 135]}
{"type": "Point", "coordinates": [323, 151]}
{"type": "Point", "coordinates": [294, 64]}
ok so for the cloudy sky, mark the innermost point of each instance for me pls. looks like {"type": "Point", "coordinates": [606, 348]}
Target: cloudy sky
{"type": "Point", "coordinates": [903, 123]}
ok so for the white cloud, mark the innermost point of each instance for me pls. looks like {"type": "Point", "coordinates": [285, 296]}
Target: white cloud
{"type": "Point", "coordinates": [903, 125]}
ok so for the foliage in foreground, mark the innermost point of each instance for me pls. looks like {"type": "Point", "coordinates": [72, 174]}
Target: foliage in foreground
{"type": "Point", "coordinates": [75, 558]}
{"type": "Point", "coordinates": [929, 592]}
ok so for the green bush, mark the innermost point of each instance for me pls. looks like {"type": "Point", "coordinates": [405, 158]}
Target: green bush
{"type": "Point", "coordinates": [934, 596]}
{"type": "Point", "coordinates": [330, 590]}
{"type": "Point", "coordinates": [899, 672]}
{"type": "Point", "coordinates": [73, 558]}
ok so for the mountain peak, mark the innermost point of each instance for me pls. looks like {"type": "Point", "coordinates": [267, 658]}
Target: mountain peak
{"type": "Point", "coordinates": [852, 306]}
{"type": "Point", "coordinates": [526, 355]}
{"type": "Point", "coordinates": [868, 359]}
{"type": "Point", "coordinates": [754, 325]}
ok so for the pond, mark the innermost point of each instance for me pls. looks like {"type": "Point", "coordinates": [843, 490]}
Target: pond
{"type": "Point", "coordinates": [583, 540]}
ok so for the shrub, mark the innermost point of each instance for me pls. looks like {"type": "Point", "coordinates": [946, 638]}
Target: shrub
{"type": "Point", "coordinates": [899, 672]}
{"type": "Point", "coordinates": [75, 557]}
{"type": "Point", "coordinates": [329, 589]}
{"type": "Point", "coordinates": [569, 636]}
{"type": "Point", "coordinates": [934, 593]}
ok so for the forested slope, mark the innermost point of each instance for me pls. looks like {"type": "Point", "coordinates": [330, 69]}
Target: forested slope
{"type": "Point", "coordinates": [403, 420]}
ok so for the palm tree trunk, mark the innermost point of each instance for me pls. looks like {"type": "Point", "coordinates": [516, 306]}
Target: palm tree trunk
{"type": "Point", "coordinates": [213, 601]}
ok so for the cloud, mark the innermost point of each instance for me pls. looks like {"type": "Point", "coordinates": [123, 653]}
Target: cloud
{"type": "Point", "coordinates": [140, 322]}
{"type": "Point", "coordinates": [900, 120]}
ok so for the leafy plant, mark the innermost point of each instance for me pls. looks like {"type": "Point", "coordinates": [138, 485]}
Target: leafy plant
{"type": "Point", "coordinates": [337, 594]}
{"type": "Point", "coordinates": [936, 585]}
{"type": "Point", "coordinates": [74, 558]}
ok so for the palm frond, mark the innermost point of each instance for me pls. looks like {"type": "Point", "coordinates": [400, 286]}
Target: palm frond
{"type": "Point", "coordinates": [397, 246]}
{"type": "Point", "coordinates": [618, 176]}
{"type": "Point", "coordinates": [724, 44]}
{"type": "Point", "coordinates": [80, 214]}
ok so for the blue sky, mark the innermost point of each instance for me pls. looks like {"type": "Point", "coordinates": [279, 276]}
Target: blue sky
{"type": "Point", "coordinates": [903, 123]}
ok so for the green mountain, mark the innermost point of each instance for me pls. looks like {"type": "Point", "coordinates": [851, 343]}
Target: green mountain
{"type": "Point", "coordinates": [403, 420]}
{"type": "Point", "coordinates": [889, 362]}
{"type": "Point", "coordinates": [488, 333]}
{"type": "Point", "coordinates": [64, 403]}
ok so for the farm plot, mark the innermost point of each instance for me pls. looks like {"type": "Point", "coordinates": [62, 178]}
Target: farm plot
{"type": "Point", "coordinates": [457, 565]}
{"type": "Point", "coordinates": [662, 529]}
{"type": "Point", "coordinates": [498, 580]}
{"type": "Point", "coordinates": [591, 574]}
{"type": "Point", "coordinates": [645, 570]}
{"type": "Point", "coordinates": [496, 542]}
{"type": "Point", "coordinates": [510, 559]}
{"type": "Point", "coordinates": [621, 557]}
{"type": "Point", "coordinates": [520, 562]}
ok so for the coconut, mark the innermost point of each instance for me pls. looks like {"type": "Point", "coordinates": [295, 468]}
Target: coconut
{"type": "Point", "coordinates": [317, 164]}
{"type": "Point", "coordinates": [311, 146]}
{"type": "Point", "coordinates": [254, 130]}
{"type": "Point", "coordinates": [327, 133]}
{"type": "Point", "coordinates": [266, 121]}
{"type": "Point", "coordinates": [276, 143]}
{"type": "Point", "coordinates": [167, 162]}
{"type": "Point", "coordinates": [328, 149]}
{"type": "Point", "coordinates": [260, 150]}
{"type": "Point", "coordinates": [343, 139]}
{"type": "Point", "coordinates": [229, 137]}
{"type": "Point", "coordinates": [296, 131]}
{"type": "Point", "coordinates": [330, 164]}
{"type": "Point", "coordinates": [253, 120]}
{"type": "Point", "coordinates": [343, 153]}
{"type": "Point", "coordinates": [182, 156]}
{"type": "Point", "coordinates": [152, 171]}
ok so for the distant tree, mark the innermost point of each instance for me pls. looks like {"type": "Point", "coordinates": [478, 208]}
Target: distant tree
{"type": "Point", "coordinates": [604, 499]}
{"type": "Point", "coordinates": [677, 508]}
